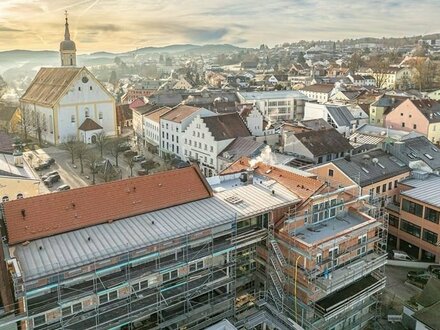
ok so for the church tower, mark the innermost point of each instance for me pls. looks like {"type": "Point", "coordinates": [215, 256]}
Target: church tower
{"type": "Point", "coordinates": [67, 48]}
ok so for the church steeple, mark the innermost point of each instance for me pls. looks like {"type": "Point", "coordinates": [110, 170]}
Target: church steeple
{"type": "Point", "coordinates": [67, 47]}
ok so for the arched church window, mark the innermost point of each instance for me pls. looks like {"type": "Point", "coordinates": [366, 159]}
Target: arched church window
{"type": "Point", "coordinates": [72, 118]}
{"type": "Point", "coordinates": [87, 112]}
{"type": "Point", "coordinates": [100, 115]}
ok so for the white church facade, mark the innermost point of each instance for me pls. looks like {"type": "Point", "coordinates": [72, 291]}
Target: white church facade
{"type": "Point", "coordinates": [68, 101]}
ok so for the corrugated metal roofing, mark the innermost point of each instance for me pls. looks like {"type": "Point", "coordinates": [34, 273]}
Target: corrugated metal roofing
{"type": "Point", "coordinates": [72, 249]}
{"type": "Point", "coordinates": [427, 190]}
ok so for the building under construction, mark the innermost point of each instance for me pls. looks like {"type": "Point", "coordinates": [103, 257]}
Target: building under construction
{"type": "Point", "coordinates": [261, 246]}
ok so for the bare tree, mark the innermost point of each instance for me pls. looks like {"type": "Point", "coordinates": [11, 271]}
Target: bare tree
{"type": "Point", "coordinates": [380, 68]}
{"type": "Point", "coordinates": [149, 164]}
{"type": "Point", "coordinates": [101, 142]}
{"type": "Point", "coordinates": [168, 159]}
{"type": "Point", "coordinates": [93, 164]}
{"type": "Point", "coordinates": [81, 152]}
{"type": "Point", "coordinates": [114, 147]}
{"type": "Point", "coordinates": [130, 162]}
{"type": "Point", "coordinates": [69, 145]}
{"type": "Point", "coordinates": [25, 120]}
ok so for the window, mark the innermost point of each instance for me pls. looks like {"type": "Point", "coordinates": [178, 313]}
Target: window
{"type": "Point", "coordinates": [20, 196]}
{"type": "Point", "coordinates": [198, 134]}
{"type": "Point", "coordinates": [144, 284]}
{"type": "Point", "coordinates": [212, 148]}
{"type": "Point", "coordinates": [177, 139]}
{"type": "Point", "coordinates": [378, 190]}
{"type": "Point", "coordinates": [5, 198]}
{"type": "Point", "coordinates": [395, 184]}
{"type": "Point", "coordinates": [330, 172]}
{"type": "Point", "coordinates": [390, 185]}
{"type": "Point", "coordinates": [192, 267]}
{"type": "Point", "coordinates": [174, 274]}
{"type": "Point", "coordinates": [384, 187]}
{"type": "Point", "coordinates": [318, 258]}
{"type": "Point", "coordinates": [211, 161]}
{"type": "Point", "coordinates": [393, 220]}
{"type": "Point", "coordinates": [113, 295]}
{"type": "Point", "coordinates": [77, 307]}
{"type": "Point", "coordinates": [66, 311]}
{"type": "Point", "coordinates": [412, 207]}
{"type": "Point", "coordinates": [100, 115]}
{"type": "Point", "coordinates": [168, 136]}
{"type": "Point", "coordinates": [432, 215]}
{"type": "Point", "coordinates": [72, 118]}
{"type": "Point", "coordinates": [361, 250]}
{"type": "Point", "coordinates": [91, 88]}
{"type": "Point", "coordinates": [186, 141]}
{"type": "Point", "coordinates": [415, 126]}
{"type": "Point", "coordinates": [203, 135]}
{"type": "Point", "coordinates": [163, 135]}
{"type": "Point", "coordinates": [103, 299]}
{"type": "Point", "coordinates": [166, 125]}
{"type": "Point", "coordinates": [177, 149]}
{"type": "Point", "coordinates": [79, 89]}
{"type": "Point", "coordinates": [430, 237]}
{"type": "Point", "coordinates": [362, 239]}
{"type": "Point", "coordinates": [136, 287]}
{"type": "Point", "coordinates": [86, 112]}
{"type": "Point", "coordinates": [410, 228]}
{"type": "Point", "coordinates": [403, 124]}
{"type": "Point", "coordinates": [206, 146]}
{"type": "Point", "coordinates": [39, 320]}
{"type": "Point", "coordinates": [166, 277]}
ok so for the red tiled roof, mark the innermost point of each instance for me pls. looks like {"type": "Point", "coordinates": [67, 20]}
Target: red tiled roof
{"type": "Point", "coordinates": [46, 215]}
{"type": "Point", "coordinates": [89, 125]}
{"type": "Point", "coordinates": [298, 184]}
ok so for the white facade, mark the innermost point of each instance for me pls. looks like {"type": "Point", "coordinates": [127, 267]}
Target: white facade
{"type": "Point", "coordinates": [276, 105]}
{"type": "Point", "coordinates": [254, 121]}
{"type": "Point", "coordinates": [171, 132]}
{"type": "Point", "coordinates": [321, 97]}
{"type": "Point", "coordinates": [151, 131]}
{"type": "Point", "coordinates": [320, 111]}
{"type": "Point", "coordinates": [199, 144]}
{"type": "Point", "coordinates": [84, 98]}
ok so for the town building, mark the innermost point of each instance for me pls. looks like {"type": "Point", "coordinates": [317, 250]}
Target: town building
{"type": "Point", "coordinates": [141, 89]}
{"type": "Point", "coordinates": [9, 118]}
{"type": "Point", "coordinates": [173, 124]}
{"type": "Point", "coordinates": [257, 245]}
{"type": "Point", "coordinates": [421, 116]}
{"type": "Point", "coordinates": [276, 106]}
{"type": "Point", "coordinates": [205, 138]}
{"type": "Point", "coordinates": [338, 116]}
{"type": "Point", "coordinates": [381, 107]}
{"type": "Point", "coordinates": [151, 124]}
{"type": "Point", "coordinates": [60, 100]}
{"type": "Point", "coordinates": [317, 146]}
{"type": "Point", "coordinates": [318, 92]}
{"type": "Point", "coordinates": [392, 77]}
{"type": "Point", "coordinates": [139, 122]}
{"type": "Point", "coordinates": [414, 218]}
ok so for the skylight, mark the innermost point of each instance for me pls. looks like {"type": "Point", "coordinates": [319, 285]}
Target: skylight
{"type": "Point", "coordinates": [365, 170]}
{"type": "Point", "coordinates": [429, 156]}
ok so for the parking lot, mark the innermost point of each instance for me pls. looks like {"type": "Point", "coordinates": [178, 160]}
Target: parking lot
{"type": "Point", "coordinates": [71, 174]}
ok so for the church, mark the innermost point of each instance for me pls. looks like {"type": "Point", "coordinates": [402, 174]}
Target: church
{"type": "Point", "coordinates": [67, 101]}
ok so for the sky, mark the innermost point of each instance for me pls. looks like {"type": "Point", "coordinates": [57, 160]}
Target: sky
{"type": "Point", "coordinates": [123, 25]}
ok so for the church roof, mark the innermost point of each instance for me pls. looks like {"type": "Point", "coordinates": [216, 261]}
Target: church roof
{"type": "Point", "coordinates": [89, 125]}
{"type": "Point", "coordinates": [49, 84]}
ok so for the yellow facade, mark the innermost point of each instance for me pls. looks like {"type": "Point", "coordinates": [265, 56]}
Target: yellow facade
{"type": "Point", "coordinates": [434, 132]}
{"type": "Point", "coordinates": [14, 187]}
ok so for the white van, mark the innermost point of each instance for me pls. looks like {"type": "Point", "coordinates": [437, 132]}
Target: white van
{"type": "Point", "coordinates": [401, 255]}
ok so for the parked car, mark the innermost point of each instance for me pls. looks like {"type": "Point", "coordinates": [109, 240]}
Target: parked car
{"type": "Point", "coordinates": [401, 255]}
{"type": "Point", "coordinates": [124, 146]}
{"type": "Point", "coordinates": [63, 187]}
{"type": "Point", "coordinates": [138, 158]}
{"type": "Point", "coordinates": [45, 176]}
{"type": "Point", "coordinates": [51, 180]}
{"type": "Point", "coordinates": [142, 172]}
{"type": "Point", "coordinates": [434, 270]}
{"type": "Point", "coordinates": [42, 166]}
{"type": "Point", "coordinates": [418, 276]}
{"type": "Point", "coordinates": [51, 161]}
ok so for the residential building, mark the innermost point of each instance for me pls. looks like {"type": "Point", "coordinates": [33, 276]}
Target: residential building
{"type": "Point", "coordinates": [240, 147]}
{"type": "Point", "coordinates": [151, 124]}
{"type": "Point", "coordinates": [173, 124]}
{"type": "Point", "coordinates": [207, 137]}
{"type": "Point", "coordinates": [124, 116]}
{"type": "Point", "coordinates": [421, 116]}
{"type": "Point", "coordinates": [139, 90]}
{"type": "Point", "coordinates": [182, 83]}
{"type": "Point", "coordinates": [415, 151]}
{"type": "Point", "coordinates": [237, 247]}
{"type": "Point", "coordinates": [60, 100]}
{"type": "Point", "coordinates": [414, 219]}
{"type": "Point", "coordinates": [318, 92]}
{"type": "Point", "coordinates": [318, 146]}
{"type": "Point", "coordinates": [139, 121]}
{"type": "Point", "coordinates": [17, 178]}
{"type": "Point", "coordinates": [375, 173]}
{"type": "Point", "coordinates": [393, 77]}
{"type": "Point", "coordinates": [380, 108]}
{"type": "Point", "coordinates": [276, 106]}
{"type": "Point", "coordinates": [253, 119]}
{"type": "Point", "coordinates": [434, 95]}
{"type": "Point", "coordinates": [337, 116]}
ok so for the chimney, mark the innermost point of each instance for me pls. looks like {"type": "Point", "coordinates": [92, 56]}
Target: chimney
{"type": "Point", "coordinates": [399, 145]}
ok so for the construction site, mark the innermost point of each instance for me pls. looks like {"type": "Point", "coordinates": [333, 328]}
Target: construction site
{"type": "Point", "coordinates": [263, 247]}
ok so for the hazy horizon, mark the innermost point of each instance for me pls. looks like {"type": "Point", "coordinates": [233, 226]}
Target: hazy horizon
{"type": "Point", "coordinates": [120, 25]}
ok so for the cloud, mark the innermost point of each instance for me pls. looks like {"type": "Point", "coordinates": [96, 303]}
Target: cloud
{"type": "Point", "coordinates": [7, 29]}
{"type": "Point", "coordinates": [101, 27]}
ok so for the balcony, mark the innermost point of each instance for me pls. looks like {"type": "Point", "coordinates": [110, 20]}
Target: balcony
{"type": "Point", "coordinates": [341, 277]}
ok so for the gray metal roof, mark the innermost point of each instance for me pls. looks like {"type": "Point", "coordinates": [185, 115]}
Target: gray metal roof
{"type": "Point", "coordinates": [71, 250]}
{"type": "Point", "coordinates": [340, 114]}
{"type": "Point", "coordinates": [363, 170]}
{"type": "Point", "coordinates": [272, 95]}
{"type": "Point", "coordinates": [427, 190]}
